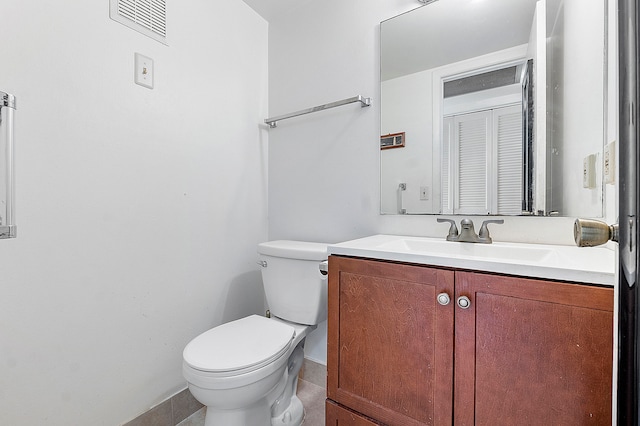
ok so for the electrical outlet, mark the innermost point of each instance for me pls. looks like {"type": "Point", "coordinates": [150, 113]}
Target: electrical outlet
{"type": "Point", "coordinates": [610, 163]}
{"type": "Point", "coordinates": [144, 71]}
{"type": "Point", "coordinates": [424, 193]}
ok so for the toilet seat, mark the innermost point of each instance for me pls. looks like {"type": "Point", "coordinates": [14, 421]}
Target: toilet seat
{"type": "Point", "coordinates": [239, 347]}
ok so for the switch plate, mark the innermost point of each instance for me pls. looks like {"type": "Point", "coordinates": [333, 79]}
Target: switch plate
{"type": "Point", "coordinates": [589, 171]}
{"type": "Point", "coordinates": [143, 71]}
{"type": "Point", "coordinates": [424, 193]}
{"type": "Point", "coordinates": [610, 163]}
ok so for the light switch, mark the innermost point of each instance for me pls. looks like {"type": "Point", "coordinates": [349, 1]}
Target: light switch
{"type": "Point", "coordinates": [424, 193]}
{"type": "Point", "coordinates": [143, 71]}
{"type": "Point", "coordinates": [589, 171]}
{"type": "Point", "coordinates": [610, 163]}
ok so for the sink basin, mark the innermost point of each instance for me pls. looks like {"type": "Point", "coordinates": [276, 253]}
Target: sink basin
{"type": "Point", "coordinates": [497, 251]}
{"type": "Point", "coordinates": [569, 263]}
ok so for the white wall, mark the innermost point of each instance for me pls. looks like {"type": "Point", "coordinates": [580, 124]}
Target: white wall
{"type": "Point", "coordinates": [138, 210]}
{"type": "Point", "coordinates": [324, 167]}
{"type": "Point", "coordinates": [323, 179]}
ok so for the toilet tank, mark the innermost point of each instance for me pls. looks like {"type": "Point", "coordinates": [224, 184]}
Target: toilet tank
{"type": "Point", "coordinates": [295, 288]}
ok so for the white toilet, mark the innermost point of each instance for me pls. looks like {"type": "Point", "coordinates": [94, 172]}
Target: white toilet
{"type": "Point", "coordinates": [246, 371]}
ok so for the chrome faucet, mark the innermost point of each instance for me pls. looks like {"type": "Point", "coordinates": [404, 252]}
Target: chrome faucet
{"type": "Point", "coordinates": [468, 232]}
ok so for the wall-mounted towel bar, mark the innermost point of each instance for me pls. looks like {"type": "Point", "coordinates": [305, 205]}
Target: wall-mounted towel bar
{"type": "Point", "coordinates": [8, 227]}
{"type": "Point", "coordinates": [365, 102]}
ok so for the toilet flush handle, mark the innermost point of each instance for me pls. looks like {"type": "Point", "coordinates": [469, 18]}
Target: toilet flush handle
{"type": "Point", "coordinates": [262, 263]}
{"type": "Point", "coordinates": [324, 267]}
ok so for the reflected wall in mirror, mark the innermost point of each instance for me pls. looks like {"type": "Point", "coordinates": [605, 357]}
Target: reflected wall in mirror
{"type": "Point", "coordinates": [503, 106]}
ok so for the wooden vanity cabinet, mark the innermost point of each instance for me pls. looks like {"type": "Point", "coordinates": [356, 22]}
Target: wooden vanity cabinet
{"type": "Point", "coordinates": [339, 416]}
{"type": "Point", "coordinates": [532, 352]}
{"type": "Point", "coordinates": [390, 342]}
{"type": "Point", "coordinates": [525, 351]}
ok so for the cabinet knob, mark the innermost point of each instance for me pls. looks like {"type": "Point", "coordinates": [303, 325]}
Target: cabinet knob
{"type": "Point", "coordinates": [444, 299]}
{"type": "Point", "coordinates": [464, 302]}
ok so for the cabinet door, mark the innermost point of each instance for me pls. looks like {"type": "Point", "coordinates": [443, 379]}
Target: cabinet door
{"type": "Point", "coordinates": [390, 343]}
{"type": "Point", "coordinates": [532, 352]}
{"type": "Point", "coordinates": [339, 416]}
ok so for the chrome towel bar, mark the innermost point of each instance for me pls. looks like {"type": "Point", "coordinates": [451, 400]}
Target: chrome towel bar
{"type": "Point", "coordinates": [8, 227]}
{"type": "Point", "coordinates": [365, 102]}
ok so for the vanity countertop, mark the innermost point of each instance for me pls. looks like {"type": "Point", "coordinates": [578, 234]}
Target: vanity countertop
{"type": "Point", "coordinates": [594, 265]}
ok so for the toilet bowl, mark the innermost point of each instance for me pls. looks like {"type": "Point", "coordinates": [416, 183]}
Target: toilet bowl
{"type": "Point", "coordinates": [245, 371]}
{"type": "Point", "coordinates": [238, 370]}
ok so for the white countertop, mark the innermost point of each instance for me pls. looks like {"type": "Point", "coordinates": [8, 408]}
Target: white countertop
{"type": "Point", "coordinates": [594, 265]}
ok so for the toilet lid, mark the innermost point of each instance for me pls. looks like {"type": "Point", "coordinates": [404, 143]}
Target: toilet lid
{"type": "Point", "coordinates": [245, 344]}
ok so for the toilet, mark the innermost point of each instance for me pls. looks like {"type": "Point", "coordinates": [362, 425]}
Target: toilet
{"type": "Point", "coordinates": [246, 371]}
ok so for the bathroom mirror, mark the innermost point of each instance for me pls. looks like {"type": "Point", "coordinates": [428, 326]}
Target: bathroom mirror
{"type": "Point", "coordinates": [502, 108]}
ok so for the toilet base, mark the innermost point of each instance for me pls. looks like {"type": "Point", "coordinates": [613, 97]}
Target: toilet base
{"type": "Point", "coordinates": [254, 416]}
{"type": "Point", "coordinates": [292, 416]}
{"type": "Point", "coordinates": [257, 416]}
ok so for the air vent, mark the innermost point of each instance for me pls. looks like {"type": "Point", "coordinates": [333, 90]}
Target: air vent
{"type": "Point", "coordinates": [148, 17]}
{"type": "Point", "coordinates": [483, 81]}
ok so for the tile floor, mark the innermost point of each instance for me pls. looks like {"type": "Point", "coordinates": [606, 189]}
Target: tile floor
{"type": "Point", "coordinates": [312, 397]}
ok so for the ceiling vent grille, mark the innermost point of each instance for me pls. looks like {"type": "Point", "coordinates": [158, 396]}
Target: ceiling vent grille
{"type": "Point", "coordinates": [486, 80]}
{"type": "Point", "coordinates": [148, 17]}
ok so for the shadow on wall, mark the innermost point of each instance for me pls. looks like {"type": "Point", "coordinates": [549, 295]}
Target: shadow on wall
{"type": "Point", "coordinates": [245, 297]}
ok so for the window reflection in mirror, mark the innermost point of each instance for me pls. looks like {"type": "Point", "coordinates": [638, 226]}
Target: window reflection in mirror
{"type": "Point", "coordinates": [500, 104]}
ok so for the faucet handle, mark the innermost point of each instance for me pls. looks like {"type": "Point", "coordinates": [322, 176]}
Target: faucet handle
{"type": "Point", "coordinates": [483, 234]}
{"type": "Point", "coordinates": [453, 229]}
